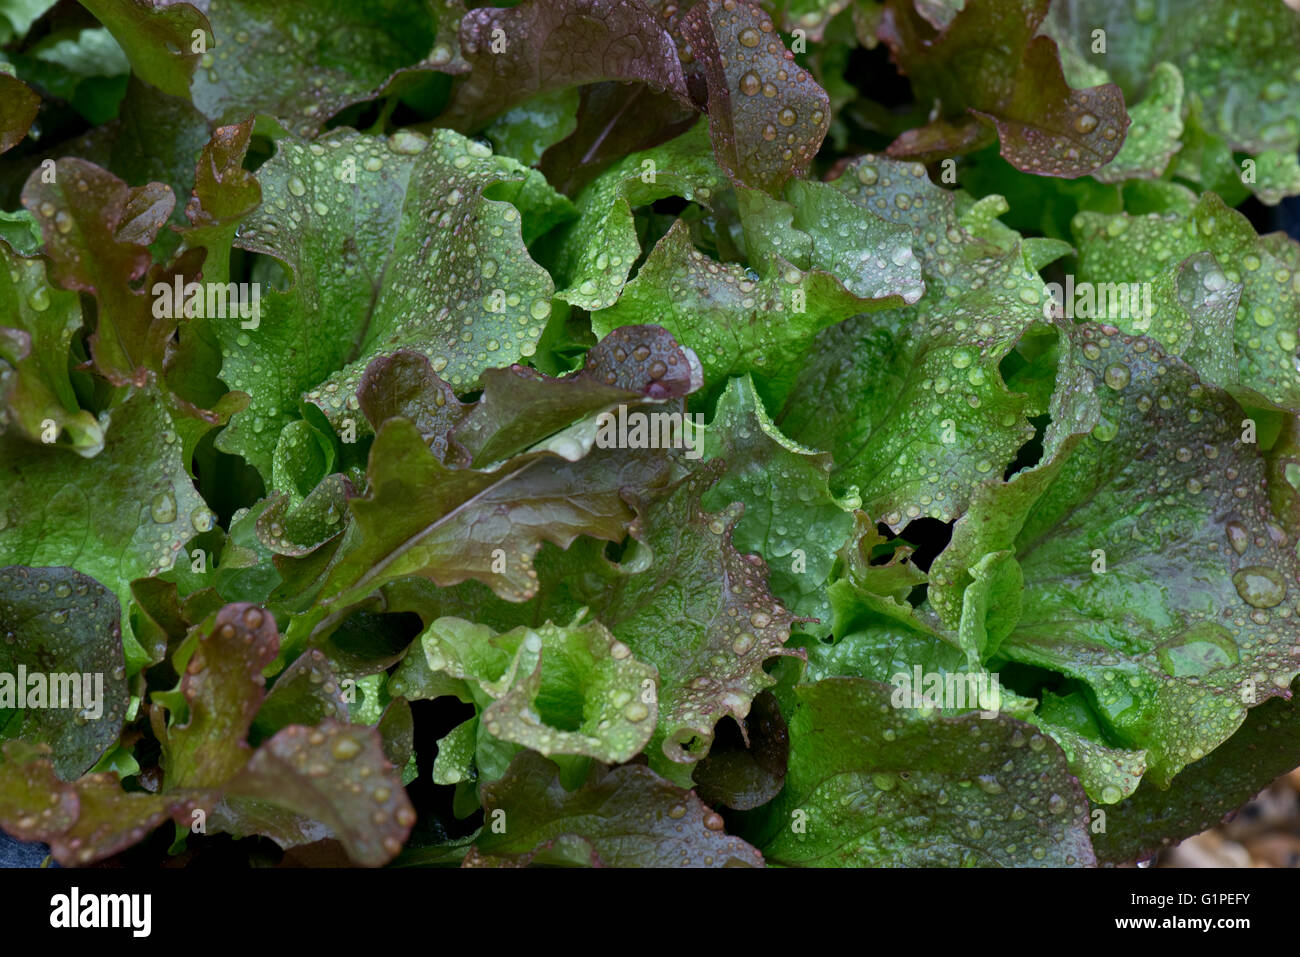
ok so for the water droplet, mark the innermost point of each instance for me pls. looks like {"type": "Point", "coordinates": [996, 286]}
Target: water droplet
{"type": "Point", "coordinates": [1201, 649]}
{"type": "Point", "coordinates": [750, 84]}
{"type": "Point", "coordinates": [1237, 537]}
{"type": "Point", "coordinates": [201, 519]}
{"type": "Point", "coordinates": [1117, 376]}
{"type": "Point", "coordinates": [636, 711]}
{"type": "Point", "coordinates": [1260, 586]}
{"type": "Point", "coordinates": [297, 186]}
{"type": "Point", "coordinates": [345, 749]}
{"type": "Point", "coordinates": [1085, 123]}
{"type": "Point", "coordinates": [163, 508]}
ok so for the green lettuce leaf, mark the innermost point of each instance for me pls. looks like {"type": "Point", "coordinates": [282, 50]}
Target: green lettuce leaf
{"type": "Point", "coordinates": [127, 513]}
{"type": "Point", "coordinates": [1240, 64]}
{"type": "Point", "coordinates": [301, 62]}
{"type": "Point", "coordinates": [870, 784]}
{"type": "Point", "coordinates": [377, 237]}
{"type": "Point", "coordinates": [559, 690]}
{"type": "Point", "coordinates": [595, 253]}
{"type": "Point", "coordinates": [1265, 747]}
{"type": "Point", "coordinates": [1189, 624]}
{"type": "Point", "coordinates": [157, 37]}
{"type": "Point", "coordinates": [790, 516]}
{"type": "Point", "coordinates": [1122, 248]}
{"type": "Point", "coordinates": [37, 400]}
{"type": "Point", "coordinates": [67, 627]}
{"type": "Point", "coordinates": [911, 403]}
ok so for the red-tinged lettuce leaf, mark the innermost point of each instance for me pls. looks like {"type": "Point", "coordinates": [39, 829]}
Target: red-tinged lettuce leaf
{"type": "Point", "coordinates": [1264, 270]}
{"type": "Point", "coordinates": [595, 253]}
{"type": "Point", "coordinates": [613, 121]}
{"type": "Point", "coordinates": [624, 817]}
{"type": "Point", "coordinates": [631, 366]}
{"type": "Point", "coordinates": [34, 802]}
{"type": "Point", "coordinates": [1265, 747]}
{"type": "Point", "coordinates": [331, 781]}
{"type": "Point", "coordinates": [220, 692]}
{"type": "Point", "coordinates": [767, 115]}
{"type": "Point", "coordinates": [224, 194]}
{"type": "Point", "coordinates": [130, 145]}
{"type": "Point", "coordinates": [157, 37]}
{"type": "Point", "coordinates": [97, 232]}
{"type": "Point", "coordinates": [122, 515]}
{"type": "Point", "coordinates": [302, 785]}
{"type": "Point", "coordinates": [66, 628]}
{"type": "Point", "coordinates": [303, 61]}
{"type": "Point", "coordinates": [790, 516]}
{"type": "Point", "coordinates": [874, 785]}
{"type": "Point", "coordinates": [448, 525]}
{"type": "Point", "coordinates": [399, 243]}
{"type": "Point", "coordinates": [36, 396]}
{"type": "Point", "coordinates": [540, 46]}
{"type": "Point", "coordinates": [748, 773]}
{"type": "Point", "coordinates": [1193, 620]}
{"type": "Point", "coordinates": [404, 385]}
{"type": "Point", "coordinates": [18, 107]}
{"type": "Point", "coordinates": [84, 821]}
{"type": "Point", "coordinates": [1239, 63]}
{"type": "Point", "coordinates": [911, 403]}
{"type": "Point", "coordinates": [988, 66]}
{"type": "Point", "coordinates": [1155, 133]}
{"type": "Point", "coordinates": [558, 690]}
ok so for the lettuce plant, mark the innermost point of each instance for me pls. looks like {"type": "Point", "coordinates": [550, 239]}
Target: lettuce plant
{"type": "Point", "coordinates": [631, 433]}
